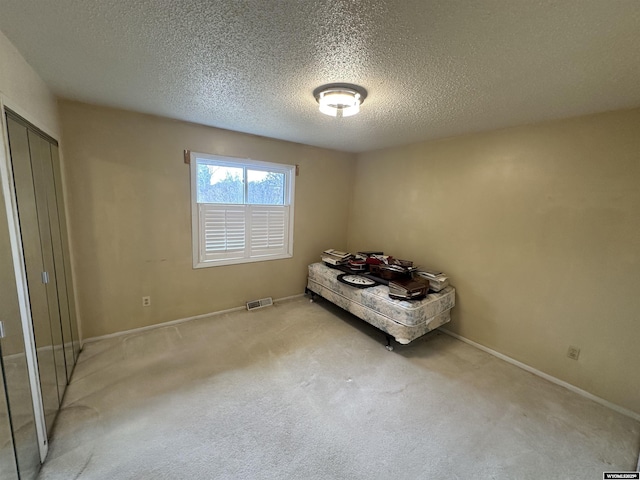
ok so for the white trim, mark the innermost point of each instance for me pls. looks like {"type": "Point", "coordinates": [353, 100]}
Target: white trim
{"type": "Point", "coordinates": [290, 297]}
{"type": "Point", "coordinates": [178, 321]}
{"type": "Point", "coordinates": [236, 261]}
{"type": "Point", "coordinates": [195, 219]}
{"type": "Point", "coordinates": [159, 325]}
{"type": "Point", "coordinates": [8, 190]}
{"type": "Point", "coordinates": [546, 376]}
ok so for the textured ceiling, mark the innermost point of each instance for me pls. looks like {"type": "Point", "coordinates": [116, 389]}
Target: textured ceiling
{"type": "Point", "coordinates": [432, 68]}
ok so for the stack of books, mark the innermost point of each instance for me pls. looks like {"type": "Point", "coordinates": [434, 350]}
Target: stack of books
{"type": "Point", "coordinates": [335, 257]}
{"type": "Point", "coordinates": [437, 280]}
{"type": "Point", "coordinates": [408, 288]}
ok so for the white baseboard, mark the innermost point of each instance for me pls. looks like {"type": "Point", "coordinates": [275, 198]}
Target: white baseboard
{"type": "Point", "coordinates": [178, 321]}
{"type": "Point", "coordinates": [290, 297]}
{"type": "Point", "coordinates": [557, 381]}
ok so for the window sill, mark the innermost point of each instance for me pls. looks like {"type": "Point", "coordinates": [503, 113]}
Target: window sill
{"type": "Point", "coordinates": [234, 261]}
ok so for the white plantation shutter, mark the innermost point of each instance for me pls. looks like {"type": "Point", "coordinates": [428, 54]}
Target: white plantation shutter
{"type": "Point", "coordinates": [222, 231]}
{"type": "Point", "coordinates": [269, 230]}
{"type": "Point", "coordinates": [242, 231]}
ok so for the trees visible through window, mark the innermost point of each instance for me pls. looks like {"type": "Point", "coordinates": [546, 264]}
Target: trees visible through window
{"type": "Point", "coordinates": [220, 184]}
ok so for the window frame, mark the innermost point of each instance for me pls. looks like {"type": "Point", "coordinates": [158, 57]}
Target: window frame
{"type": "Point", "coordinates": [245, 164]}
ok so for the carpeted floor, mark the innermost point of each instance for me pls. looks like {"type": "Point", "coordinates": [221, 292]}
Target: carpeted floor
{"type": "Point", "coordinates": [303, 390]}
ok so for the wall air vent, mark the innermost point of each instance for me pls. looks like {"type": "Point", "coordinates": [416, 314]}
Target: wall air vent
{"type": "Point", "coordinates": [263, 302]}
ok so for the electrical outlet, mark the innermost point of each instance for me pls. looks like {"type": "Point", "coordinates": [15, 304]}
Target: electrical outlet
{"type": "Point", "coordinates": [573, 353]}
{"type": "Point", "coordinates": [146, 301]}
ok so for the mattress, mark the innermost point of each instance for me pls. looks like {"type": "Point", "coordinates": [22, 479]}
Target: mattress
{"type": "Point", "coordinates": [405, 320]}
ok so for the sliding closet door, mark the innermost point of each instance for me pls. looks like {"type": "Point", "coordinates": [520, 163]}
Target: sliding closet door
{"type": "Point", "coordinates": [40, 158]}
{"type": "Point", "coordinates": [8, 467]}
{"type": "Point", "coordinates": [58, 262]}
{"type": "Point", "coordinates": [38, 187]}
{"type": "Point", "coordinates": [65, 262]}
{"type": "Point", "coordinates": [34, 265]}
{"type": "Point", "coordinates": [22, 433]}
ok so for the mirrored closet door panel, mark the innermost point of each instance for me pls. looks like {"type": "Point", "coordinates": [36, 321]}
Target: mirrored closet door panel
{"type": "Point", "coordinates": [8, 467]}
{"type": "Point", "coordinates": [40, 157]}
{"type": "Point", "coordinates": [19, 441]}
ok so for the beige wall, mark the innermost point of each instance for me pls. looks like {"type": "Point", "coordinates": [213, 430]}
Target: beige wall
{"type": "Point", "coordinates": [539, 230]}
{"type": "Point", "coordinates": [24, 91]}
{"type": "Point", "coordinates": [535, 225]}
{"type": "Point", "coordinates": [130, 220]}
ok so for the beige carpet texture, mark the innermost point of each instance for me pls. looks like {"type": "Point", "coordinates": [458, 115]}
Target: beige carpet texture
{"type": "Point", "coordinates": [303, 390]}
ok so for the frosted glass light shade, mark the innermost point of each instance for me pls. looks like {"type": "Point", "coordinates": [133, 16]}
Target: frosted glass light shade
{"type": "Point", "coordinates": [340, 100]}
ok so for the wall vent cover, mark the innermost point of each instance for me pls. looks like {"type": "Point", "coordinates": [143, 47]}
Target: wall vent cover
{"type": "Point", "coordinates": [263, 302]}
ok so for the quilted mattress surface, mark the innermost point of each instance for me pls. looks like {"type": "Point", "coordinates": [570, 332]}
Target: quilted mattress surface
{"type": "Point", "coordinates": [409, 313]}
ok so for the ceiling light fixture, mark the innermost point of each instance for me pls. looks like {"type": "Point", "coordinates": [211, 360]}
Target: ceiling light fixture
{"type": "Point", "coordinates": [340, 99]}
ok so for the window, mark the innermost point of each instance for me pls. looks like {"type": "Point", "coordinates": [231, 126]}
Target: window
{"type": "Point", "coordinates": [241, 210]}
